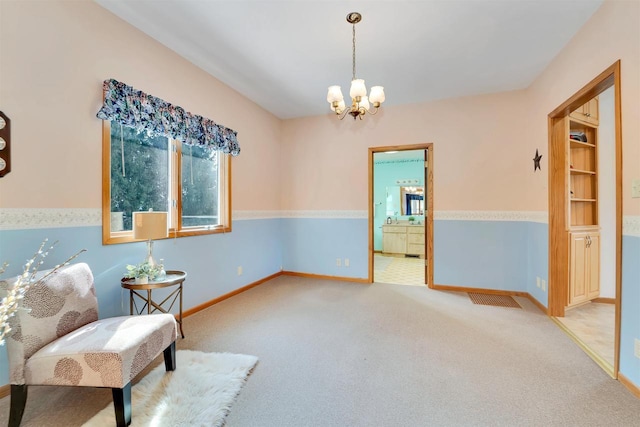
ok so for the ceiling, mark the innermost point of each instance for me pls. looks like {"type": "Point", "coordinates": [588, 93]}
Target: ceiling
{"type": "Point", "coordinates": [284, 54]}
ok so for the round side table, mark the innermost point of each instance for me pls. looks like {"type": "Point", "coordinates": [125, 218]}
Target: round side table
{"type": "Point", "coordinates": [173, 278]}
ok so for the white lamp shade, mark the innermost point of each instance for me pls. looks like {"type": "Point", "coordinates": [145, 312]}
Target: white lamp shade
{"type": "Point", "coordinates": [377, 94]}
{"type": "Point", "coordinates": [357, 88]}
{"type": "Point", "coordinates": [334, 94]}
{"type": "Point", "coordinates": [364, 102]}
{"type": "Point", "coordinates": [340, 108]}
{"type": "Point", "coordinates": [150, 225]}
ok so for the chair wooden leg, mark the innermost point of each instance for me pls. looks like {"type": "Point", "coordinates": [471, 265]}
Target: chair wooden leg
{"type": "Point", "coordinates": [170, 357]}
{"type": "Point", "coordinates": [18, 402]}
{"type": "Point", "coordinates": [122, 405]}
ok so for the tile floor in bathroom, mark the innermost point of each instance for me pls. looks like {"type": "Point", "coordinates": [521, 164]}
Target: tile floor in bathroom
{"type": "Point", "coordinates": [398, 270]}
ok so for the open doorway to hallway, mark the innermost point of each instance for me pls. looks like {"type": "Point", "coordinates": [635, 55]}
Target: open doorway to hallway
{"type": "Point", "coordinates": [585, 218]}
{"type": "Point", "coordinates": [400, 218]}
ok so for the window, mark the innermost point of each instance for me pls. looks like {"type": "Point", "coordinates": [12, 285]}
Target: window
{"type": "Point", "coordinates": [142, 172]}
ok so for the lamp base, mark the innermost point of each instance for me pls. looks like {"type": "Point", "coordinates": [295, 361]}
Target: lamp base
{"type": "Point", "coordinates": [149, 258]}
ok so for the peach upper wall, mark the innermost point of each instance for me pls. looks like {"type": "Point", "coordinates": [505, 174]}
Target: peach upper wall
{"type": "Point", "coordinates": [56, 54]}
{"type": "Point", "coordinates": [612, 33]}
{"type": "Point", "coordinates": [484, 145]}
{"type": "Point", "coordinates": [476, 146]}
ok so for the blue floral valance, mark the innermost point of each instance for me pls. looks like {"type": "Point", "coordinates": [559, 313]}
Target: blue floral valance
{"type": "Point", "coordinates": [133, 108]}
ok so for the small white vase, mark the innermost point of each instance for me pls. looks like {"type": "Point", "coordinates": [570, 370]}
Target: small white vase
{"type": "Point", "coordinates": [142, 280]}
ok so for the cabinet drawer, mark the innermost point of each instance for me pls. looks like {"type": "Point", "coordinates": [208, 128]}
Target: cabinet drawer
{"type": "Point", "coordinates": [415, 249]}
{"type": "Point", "coordinates": [415, 230]}
{"type": "Point", "coordinates": [416, 239]}
{"type": "Point", "coordinates": [393, 229]}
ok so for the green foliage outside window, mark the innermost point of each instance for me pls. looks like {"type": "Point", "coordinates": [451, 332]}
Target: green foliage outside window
{"type": "Point", "coordinates": [143, 182]}
{"type": "Point", "coordinates": [199, 186]}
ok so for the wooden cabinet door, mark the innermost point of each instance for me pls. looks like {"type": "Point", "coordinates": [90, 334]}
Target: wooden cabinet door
{"type": "Point", "coordinates": [588, 112]}
{"type": "Point", "coordinates": [592, 108]}
{"type": "Point", "coordinates": [593, 266]}
{"type": "Point", "coordinates": [584, 272]}
{"type": "Point", "coordinates": [394, 240]}
{"type": "Point", "coordinates": [578, 269]}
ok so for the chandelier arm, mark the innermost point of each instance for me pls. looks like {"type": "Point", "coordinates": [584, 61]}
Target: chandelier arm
{"type": "Point", "coordinates": [344, 113]}
{"type": "Point", "coordinates": [372, 112]}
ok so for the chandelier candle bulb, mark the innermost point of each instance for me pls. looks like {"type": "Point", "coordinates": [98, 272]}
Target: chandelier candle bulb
{"type": "Point", "coordinates": [358, 89]}
{"type": "Point", "coordinates": [334, 95]}
{"type": "Point", "coordinates": [377, 95]}
{"type": "Point", "coordinates": [364, 103]}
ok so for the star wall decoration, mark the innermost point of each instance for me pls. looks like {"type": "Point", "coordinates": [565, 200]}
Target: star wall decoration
{"type": "Point", "coordinates": [536, 161]}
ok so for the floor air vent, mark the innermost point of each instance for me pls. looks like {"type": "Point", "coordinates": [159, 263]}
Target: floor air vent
{"type": "Point", "coordinates": [494, 300]}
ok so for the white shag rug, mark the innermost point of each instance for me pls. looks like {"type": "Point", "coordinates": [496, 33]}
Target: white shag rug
{"type": "Point", "coordinates": [198, 393]}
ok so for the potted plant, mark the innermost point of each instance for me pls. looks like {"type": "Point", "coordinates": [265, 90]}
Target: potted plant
{"type": "Point", "coordinates": [411, 219]}
{"type": "Point", "coordinates": [143, 272]}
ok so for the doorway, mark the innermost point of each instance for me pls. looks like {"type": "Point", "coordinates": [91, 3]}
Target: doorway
{"type": "Point", "coordinates": [585, 212]}
{"type": "Point", "coordinates": [401, 214]}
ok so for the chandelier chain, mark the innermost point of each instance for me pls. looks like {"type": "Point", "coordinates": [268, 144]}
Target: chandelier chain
{"type": "Point", "coordinates": [354, 53]}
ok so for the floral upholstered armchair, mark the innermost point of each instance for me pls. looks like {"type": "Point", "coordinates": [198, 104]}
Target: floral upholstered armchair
{"type": "Point", "coordinates": [58, 340]}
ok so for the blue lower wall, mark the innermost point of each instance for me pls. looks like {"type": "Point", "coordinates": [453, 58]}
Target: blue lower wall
{"type": "Point", "coordinates": [210, 261]}
{"type": "Point", "coordinates": [481, 254]}
{"type": "Point", "coordinates": [312, 245]}
{"type": "Point", "coordinates": [630, 325]}
{"type": "Point", "coordinates": [476, 254]}
{"type": "Point", "coordinates": [537, 248]}
{"type": "Point", "coordinates": [503, 255]}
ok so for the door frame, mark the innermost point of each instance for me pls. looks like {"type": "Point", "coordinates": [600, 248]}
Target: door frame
{"type": "Point", "coordinates": [428, 235]}
{"type": "Point", "coordinates": [558, 202]}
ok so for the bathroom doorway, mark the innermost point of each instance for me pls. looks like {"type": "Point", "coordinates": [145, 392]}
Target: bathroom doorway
{"type": "Point", "coordinates": [401, 214]}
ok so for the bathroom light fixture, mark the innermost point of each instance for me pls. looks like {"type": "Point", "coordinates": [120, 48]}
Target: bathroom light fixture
{"type": "Point", "coordinates": [358, 92]}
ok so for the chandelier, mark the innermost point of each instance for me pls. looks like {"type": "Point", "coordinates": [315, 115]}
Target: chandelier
{"type": "Point", "coordinates": [360, 103]}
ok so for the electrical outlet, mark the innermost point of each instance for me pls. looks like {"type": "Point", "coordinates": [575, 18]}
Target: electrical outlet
{"type": "Point", "coordinates": [636, 348]}
{"type": "Point", "coordinates": [346, 262]}
{"type": "Point", "coordinates": [538, 281]}
{"type": "Point", "coordinates": [240, 271]}
{"type": "Point", "coordinates": [544, 285]}
{"type": "Point", "coordinates": [338, 262]}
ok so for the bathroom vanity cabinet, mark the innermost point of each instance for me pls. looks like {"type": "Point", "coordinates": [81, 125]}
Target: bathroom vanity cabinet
{"type": "Point", "coordinates": [403, 239]}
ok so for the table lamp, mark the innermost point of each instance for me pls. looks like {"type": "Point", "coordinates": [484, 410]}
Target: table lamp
{"type": "Point", "coordinates": [150, 225]}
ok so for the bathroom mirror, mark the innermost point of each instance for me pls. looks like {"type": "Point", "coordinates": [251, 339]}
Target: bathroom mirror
{"type": "Point", "coordinates": [405, 201]}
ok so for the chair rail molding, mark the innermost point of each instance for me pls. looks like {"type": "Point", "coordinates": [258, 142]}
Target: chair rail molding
{"type": "Point", "coordinates": [32, 218]}
{"type": "Point", "coordinates": [631, 225]}
{"type": "Point", "coordinates": [525, 216]}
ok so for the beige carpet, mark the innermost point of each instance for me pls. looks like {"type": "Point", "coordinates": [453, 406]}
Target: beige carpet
{"type": "Point", "coordinates": [345, 354]}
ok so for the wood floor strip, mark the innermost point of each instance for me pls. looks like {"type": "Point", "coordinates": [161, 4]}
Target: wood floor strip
{"type": "Point", "coordinates": [635, 390]}
{"type": "Point", "coordinates": [5, 390]}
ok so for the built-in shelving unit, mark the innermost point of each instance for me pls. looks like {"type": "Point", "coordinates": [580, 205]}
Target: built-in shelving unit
{"type": "Point", "coordinates": [584, 230]}
{"type": "Point", "coordinates": [583, 171]}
